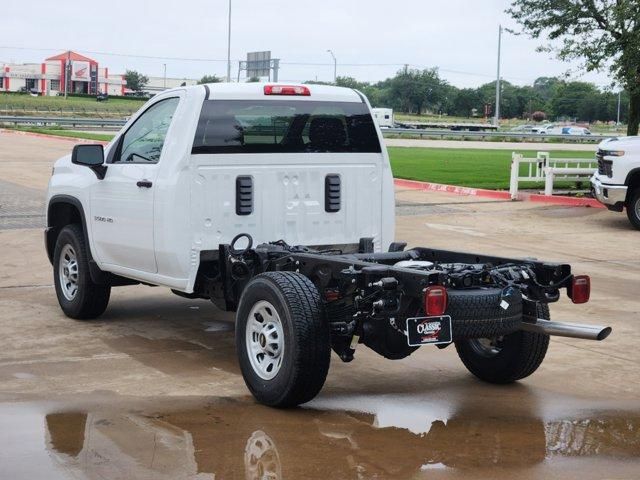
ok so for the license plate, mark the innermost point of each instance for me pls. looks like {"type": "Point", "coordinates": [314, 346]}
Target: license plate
{"type": "Point", "coordinates": [429, 330]}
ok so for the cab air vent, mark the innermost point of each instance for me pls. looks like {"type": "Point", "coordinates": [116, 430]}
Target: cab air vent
{"type": "Point", "coordinates": [332, 192]}
{"type": "Point", "coordinates": [244, 195]}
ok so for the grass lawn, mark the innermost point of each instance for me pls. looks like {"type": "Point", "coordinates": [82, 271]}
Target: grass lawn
{"type": "Point", "coordinates": [465, 167]}
{"type": "Point", "coordinates": [66, 133]}
{"type": "Point", "coordinates": [77, 105]}
{"type": "Point", "coordinates": [477, 168]}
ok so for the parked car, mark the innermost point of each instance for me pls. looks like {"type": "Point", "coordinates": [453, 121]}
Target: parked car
{"type": "Point", "coordinates": [616, 184]}
{"type": "Point", "coordinates": [277, 202]}
{"type": "Point", "coordinates": [542, 128]}
{"type": "Point", "coordinates": [523, 129]}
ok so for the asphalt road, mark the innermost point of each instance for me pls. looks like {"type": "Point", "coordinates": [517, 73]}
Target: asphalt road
{"type": "Point", "coordinates": [152, 389]}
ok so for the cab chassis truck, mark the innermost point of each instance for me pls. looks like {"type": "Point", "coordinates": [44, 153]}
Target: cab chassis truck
{"type": "Point", "coordinates": [201, 173]}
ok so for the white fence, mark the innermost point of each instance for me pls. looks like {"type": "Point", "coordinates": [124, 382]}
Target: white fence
{"type": "Point", "coordinates": [545, 169]}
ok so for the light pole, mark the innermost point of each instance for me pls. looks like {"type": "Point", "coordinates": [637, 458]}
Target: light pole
{"type": "Point", "coordinates": [164, 81]}
{"type": "Point", "coordinates": [619, 95]}
{"type": "Point", "coordinates": [229, 47]}
{"type": "Point", "coordinates": [496, 119]}
{"type": "Point", "coordinates": [335, 66]}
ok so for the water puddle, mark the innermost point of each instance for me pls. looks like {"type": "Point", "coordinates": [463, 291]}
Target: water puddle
{"type": "Point", "coordinates": [227, 438]}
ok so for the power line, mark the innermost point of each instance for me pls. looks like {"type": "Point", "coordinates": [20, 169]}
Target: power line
{"type": "Point", "coordinates": [291, 63]}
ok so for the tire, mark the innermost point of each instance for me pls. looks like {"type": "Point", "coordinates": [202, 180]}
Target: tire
{"type": "Point", "coordinates": [89, 300]}
{"type": "Point", "coordinates": [633, 208]}
{"type": "Point", "coordinates": [517, 355]}
{"type": "Point", "coordinates": [477, 313]}
{"type": "Point", "coordinates": [283, 307]}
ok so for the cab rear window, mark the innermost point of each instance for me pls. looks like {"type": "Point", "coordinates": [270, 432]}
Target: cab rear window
{"type": "Point", "coordinates": [284, 126]}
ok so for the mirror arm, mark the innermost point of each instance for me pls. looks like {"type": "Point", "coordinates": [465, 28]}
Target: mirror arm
{"type": "Point", "coordinates": [99, 170]}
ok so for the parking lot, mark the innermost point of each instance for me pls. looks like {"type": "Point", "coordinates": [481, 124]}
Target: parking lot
{"type": "Point", "coordinates": [152, 389]}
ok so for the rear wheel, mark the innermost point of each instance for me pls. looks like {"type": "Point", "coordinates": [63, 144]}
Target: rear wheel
{"type": "Point", "coordinates": [282, 339]}
{"type": "Point", "coordinates": [78, 296]}
{"type": "Point", "coordinates": [506, 358]}
{"type": "Point", "coordinates": [633, 208]}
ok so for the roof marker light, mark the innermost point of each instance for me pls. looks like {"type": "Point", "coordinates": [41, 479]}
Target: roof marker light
{"type": "Point", "coordinates": [287, 90]}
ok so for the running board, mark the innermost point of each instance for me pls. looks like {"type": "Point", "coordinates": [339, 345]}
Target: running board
{"type": "Point", "coordinates": [560, 329]}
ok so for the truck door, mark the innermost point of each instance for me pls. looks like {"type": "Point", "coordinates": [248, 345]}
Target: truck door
{"type": "Point", "coordinates": [122, 203]}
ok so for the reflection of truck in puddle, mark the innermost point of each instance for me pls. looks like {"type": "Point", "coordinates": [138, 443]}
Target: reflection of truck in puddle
{"type": "Point", "coordinates": [237, 440]}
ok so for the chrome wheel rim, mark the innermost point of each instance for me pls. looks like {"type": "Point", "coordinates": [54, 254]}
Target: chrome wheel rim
{"type": "Point", "coordinates": [487, 347]}
{"type": "Point", "coordinates": [265, 340]}
{"type": "Point", "coordinates": [261, 459]}
{"type": "Point", "coordinates": [637, 208]}
{"type": "Point", "coordinates": [68, 272]}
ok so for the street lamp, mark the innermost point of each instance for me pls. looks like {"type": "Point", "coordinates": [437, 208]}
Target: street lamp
{"type": "Point", "coordinates": [164, 82]}
{"type": "Point", "coordinates": [496, 120]}
{"type": "Point", "coordinates": [335, 66]}
{"type": "Point", "coordinates": [229, 47]}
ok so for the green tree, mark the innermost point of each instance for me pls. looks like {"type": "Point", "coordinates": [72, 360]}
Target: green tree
{"type": "Point", "coordinates": [209, 79]}
{"type": "Point", "coordinates": [253, 80]}
{"type": "Point", "coordinates": [601, 33]}
{"type": "Point", "coordinates": [135, 80]}
{"type": "Point", "coordinates": [415, 91]}
{"type": "Point", "coordinates": [575, 100]}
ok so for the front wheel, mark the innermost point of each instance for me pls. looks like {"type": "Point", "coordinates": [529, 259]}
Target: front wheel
{"type": "Point", "coordinates": [507, 358]}
{"type": "Point", "coordinates": [633, 208]}
{"type": "Point", "coordinates": [78, 296]}
{"type": "Point", "coordinates": [282, 339]}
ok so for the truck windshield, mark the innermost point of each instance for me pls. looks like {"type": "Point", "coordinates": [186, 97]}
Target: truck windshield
{"type": "Point", "coordinates": [284, 126]}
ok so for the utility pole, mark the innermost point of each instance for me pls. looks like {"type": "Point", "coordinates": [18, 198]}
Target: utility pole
{"type": "Point", "coordinates": [164, 82]}
{"type": "Point", "coordinates": [335, 66]}
{"type": "Point", "coordinates": [67, 73]}
{"type": "Point", "coordinates": [496, 120]}
{"type": "Point", "coordinates": [276, 67]}
{"type": "Point", "coordinates": [619, 95]}
{"type": "Point", "coordinates": [229, 47]}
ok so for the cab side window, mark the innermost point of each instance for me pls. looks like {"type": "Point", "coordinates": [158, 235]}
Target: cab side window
{"type": "Point", "coordinates": [143, 142]}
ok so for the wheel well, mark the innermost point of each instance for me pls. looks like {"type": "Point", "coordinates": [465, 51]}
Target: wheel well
{"type": "Point", "coordinates": [59, 215]}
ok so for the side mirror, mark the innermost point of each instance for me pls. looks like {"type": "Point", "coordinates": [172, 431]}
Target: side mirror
{"type": "Point", "coordinates": [91, 156]}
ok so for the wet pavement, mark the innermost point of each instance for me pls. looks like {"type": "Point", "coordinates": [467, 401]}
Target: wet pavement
{"type": "Point", "coordinates": [120, 438]}
{"type": "Point", "coordinates": [152, 389]}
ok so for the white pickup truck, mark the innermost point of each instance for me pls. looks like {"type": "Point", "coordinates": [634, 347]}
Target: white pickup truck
{"type": "Point", "coordinates": [616, 184]}
{"type": "Point", "coordinates": [277, 202]}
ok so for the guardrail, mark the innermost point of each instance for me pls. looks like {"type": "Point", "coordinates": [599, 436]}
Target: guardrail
{"type": "Point", "coordinates": [544, 168]}
{"type": "Point", "coordinates": [61, 121]}
{"type": "Point", "coordinates": [490, 135]}
{"type": "Point", "coordinates": [110, 122]}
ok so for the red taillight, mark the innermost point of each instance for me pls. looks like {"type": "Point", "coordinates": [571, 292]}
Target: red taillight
{"type": "Point", "coordinates": [435, 301]}
{"type": "Point", "coordinates": [580, 289]}
{"type": "Point", "coordinates": [286, 90]}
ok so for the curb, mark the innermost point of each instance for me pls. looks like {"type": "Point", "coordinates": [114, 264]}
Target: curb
{"type": "Point", "coordinates": [497, 195]}
{"type": "Point", "coordinates": [53, 137]}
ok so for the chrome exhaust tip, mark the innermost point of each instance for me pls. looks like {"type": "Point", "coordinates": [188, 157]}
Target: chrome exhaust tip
{"type": "Point", "coordinates": [571, 330]}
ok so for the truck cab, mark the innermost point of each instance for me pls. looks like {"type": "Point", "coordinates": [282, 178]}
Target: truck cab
{"type": "Point", "coordinates": [197, 165]}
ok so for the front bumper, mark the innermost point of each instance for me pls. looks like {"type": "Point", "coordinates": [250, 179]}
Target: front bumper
{"type": "Point", "coordinates": [610, 195]}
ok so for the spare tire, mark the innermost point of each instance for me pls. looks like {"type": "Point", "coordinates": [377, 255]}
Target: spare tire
{"type": "Point", "coordinates": [484, 312]}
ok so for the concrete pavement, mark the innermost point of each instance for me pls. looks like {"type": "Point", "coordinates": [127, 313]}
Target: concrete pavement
{"type": "Point", "coordinates": [152, 389]}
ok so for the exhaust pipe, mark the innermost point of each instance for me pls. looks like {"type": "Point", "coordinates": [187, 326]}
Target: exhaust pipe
{"type": "Point", "coordinates": [560, 329]}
